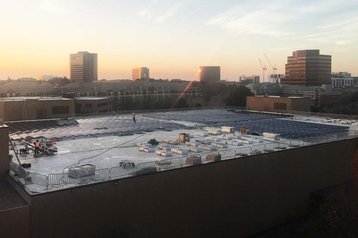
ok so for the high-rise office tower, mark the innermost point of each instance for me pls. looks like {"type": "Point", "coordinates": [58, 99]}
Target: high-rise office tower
{"type": "Point", "coordinates": [140, 73]}
{"type": "Point", "coordinates": [83, 66]}
{"type": "Point", "coordinates": [308, 67]}
{"type": "Point", "coordinates": [209, 73]}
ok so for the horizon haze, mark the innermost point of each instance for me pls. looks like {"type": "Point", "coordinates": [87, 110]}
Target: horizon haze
{"type": "Point", "coordinates": [173, 38]}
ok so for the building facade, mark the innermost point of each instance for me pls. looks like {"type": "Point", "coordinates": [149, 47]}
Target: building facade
{"type": "Point", "coordinates": [278, 104]}
{"type": "Point", "coordinates": [245, 208]}
{"type": "Point", "coordinates": [209, 73]}
{"type": "Point", "coordinates": [32, 108]}
{"type": "Point", "coordinates": [342, 80]}
{"type": "Point", "coordinates": [308, 67]}
{"type": "Point", "coordinates": [253, 79]}
{"type": "Point", "coordinates": [83, 66]}
{"type": "Point", "coordinates": [140, 73]}
{"type": "Point", "coordinates": [93, 104]}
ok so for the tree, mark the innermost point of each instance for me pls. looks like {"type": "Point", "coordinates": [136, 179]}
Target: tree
{"type": "Point", "coordinates": [181, 103]}
{"type": "Point", "coordinates": [237, 96]}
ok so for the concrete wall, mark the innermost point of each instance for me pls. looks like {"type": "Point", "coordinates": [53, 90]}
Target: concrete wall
{"type": "Point", "coordinates": [231, 198]}
{"type": "Point", "coordinates": [14, 212]}
{"type": "Point", "coordinates": [15, 223]}
{"type": "Point", "coordinates": [28, 109]}
{"type": "Point", "coordinates": [4, 151]}
{"type": "Point", "coordinates": [2, 108]}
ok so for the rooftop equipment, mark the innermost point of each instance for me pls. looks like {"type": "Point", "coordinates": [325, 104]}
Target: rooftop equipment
{"type": "Point", "coordinates": [179, 151]}
{"type": "Point", "coordinates": [193, 160]}
{"type": "Point", "coordinates": [184, 137]}
{"type": "Point", "coordinates": [213, 157]}
{"type": "Point", "coordinates": [126, 164]}
{"type": "Point", "coordinates": [271, 136]}
{"type": "Point", "coordinates": [81, 171]}
{"type": "Point", "coordinates": [228, 129]}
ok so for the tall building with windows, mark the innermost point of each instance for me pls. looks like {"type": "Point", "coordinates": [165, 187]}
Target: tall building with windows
{"type": "Point", "coordinates": [209, 73]}
{"type": "Point", "coordinates": [140, 73]}
{"type": "Point", "coordinates": [83, 66]}
{"type": "Point", "coordinates": [308, 67]}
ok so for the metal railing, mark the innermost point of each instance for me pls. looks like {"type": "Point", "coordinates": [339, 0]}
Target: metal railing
{"type": "Point", "coordinates": [54, 181]}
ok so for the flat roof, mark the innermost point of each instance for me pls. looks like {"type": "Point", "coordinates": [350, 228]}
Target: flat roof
{"type": "Point", "coordinates": [11, 99]}
{"type": "Point", "coordinates": [105, 141]}
{"type": "Point", "coordinates": [91, 98]}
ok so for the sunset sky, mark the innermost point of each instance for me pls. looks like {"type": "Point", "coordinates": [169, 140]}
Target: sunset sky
{"type": "Point", "coordinates": [172, 37]}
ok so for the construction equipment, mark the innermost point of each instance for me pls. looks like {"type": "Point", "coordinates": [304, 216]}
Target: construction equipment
{"type": "Point", "coordinates": [274, 69]}
{"type": "Point", "coordinates": [13, 148]}
{"type": "Point", "coordinates": [263, 70]}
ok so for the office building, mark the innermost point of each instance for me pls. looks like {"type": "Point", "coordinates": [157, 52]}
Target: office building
{"type": "Point", "coordinates": [308, 67]}
{"type": "Point", "coordinates": [253, 79]}
{"type": "Point", "coordinates": [209, 73]}
{"type": "Point", "coordinates": [342, 80]}
{"type": "Point", "coordinates": [140, 73]}
{"type": "Point", "coordinates": [83, 66]}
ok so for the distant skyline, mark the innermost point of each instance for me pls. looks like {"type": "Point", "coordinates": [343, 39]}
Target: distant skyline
{"type": "Point", "coordinates": [173, 38]}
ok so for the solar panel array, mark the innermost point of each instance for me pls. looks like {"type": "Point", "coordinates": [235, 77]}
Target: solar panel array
{"type": "Point", "coordinates": [212, 116]}
{"type": "Point", "coordinates": [124, 125]}
{"type": "Point", "coordinates": [256, 122]}
{"type": "Point", "coordinates": [94, 126]}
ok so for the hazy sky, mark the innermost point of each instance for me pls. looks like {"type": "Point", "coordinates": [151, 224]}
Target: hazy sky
{"type": "Point", "coordinates": [172, 37]}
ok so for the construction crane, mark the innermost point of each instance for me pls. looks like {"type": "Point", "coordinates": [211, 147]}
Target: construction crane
{"type": "Point", "coordinates": [274, 69]}
{"type": "Point", "coordinates": [263, 70]}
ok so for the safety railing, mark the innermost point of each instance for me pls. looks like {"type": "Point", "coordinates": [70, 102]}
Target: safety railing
{"type": "Point", "coordinates": [53, 181]}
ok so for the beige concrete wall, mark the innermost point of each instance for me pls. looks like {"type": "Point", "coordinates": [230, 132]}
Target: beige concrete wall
{"type": "Point", "coordinates": [27, 110]}
{"type": "Point", "coordinates": [231, 198]}
{"type": "Point", "coordinates": [4, 151]}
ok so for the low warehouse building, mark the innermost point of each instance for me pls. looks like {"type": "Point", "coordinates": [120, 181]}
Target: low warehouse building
{"type": "Point", "coordinates": [239, 184]}
{"type": "Point", "coordinates": [278, 104]}
{"type": "Point", "coordinates": [33, 108]}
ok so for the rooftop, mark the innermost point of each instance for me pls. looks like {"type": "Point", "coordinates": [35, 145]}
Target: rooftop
{"type": "Point", "coordinates": [105, 141]}
{"type": "Point", "coordinates": [20, 99]}
{"type": "Point", "coordinates": [91, 98]}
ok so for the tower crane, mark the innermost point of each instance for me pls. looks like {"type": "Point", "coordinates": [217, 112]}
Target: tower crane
{"type": "Point", "coordinates": [274, 69]}
{"type": "Point", "coordinates": [263, 70]}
